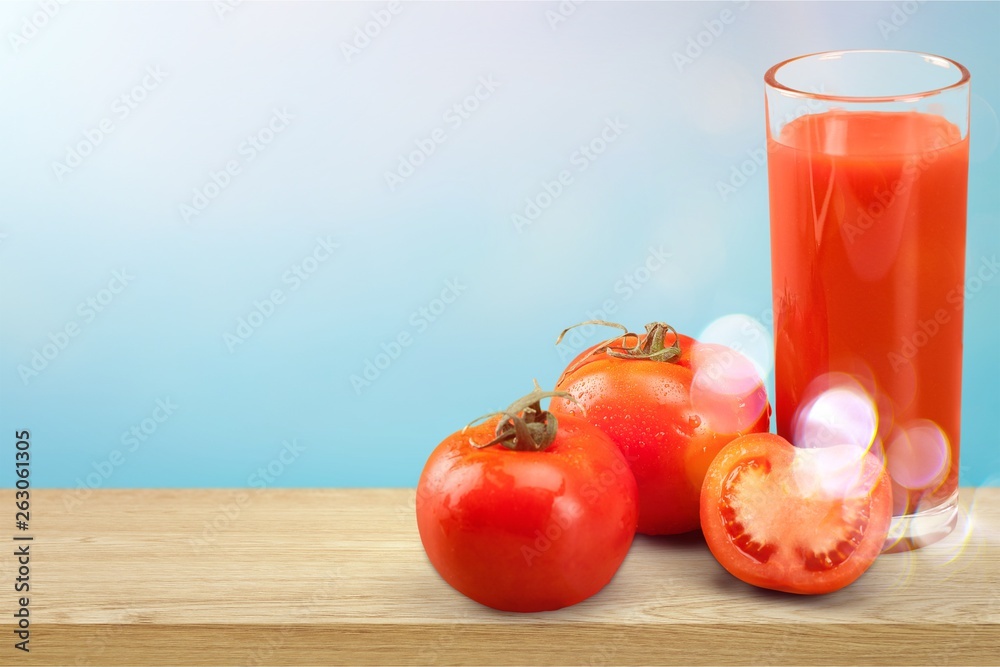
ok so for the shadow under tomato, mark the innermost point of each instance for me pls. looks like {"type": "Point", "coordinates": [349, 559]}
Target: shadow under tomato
{"type": "Point", "coordinates": [860, 598]}
{"type": "Point", "coordinates": [685, 541]}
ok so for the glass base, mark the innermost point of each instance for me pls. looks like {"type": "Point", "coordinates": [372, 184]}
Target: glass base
{"type": "Point", "coordinates": [912, 531]}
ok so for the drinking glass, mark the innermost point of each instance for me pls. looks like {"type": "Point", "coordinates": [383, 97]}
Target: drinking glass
{"type": "Point", "coordinates": [868, 155]}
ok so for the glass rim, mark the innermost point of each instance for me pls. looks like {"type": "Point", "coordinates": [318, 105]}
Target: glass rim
{"type": "Point", "coordinates": [770, 78]}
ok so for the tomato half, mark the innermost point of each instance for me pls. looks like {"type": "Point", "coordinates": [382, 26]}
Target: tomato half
{"type": "Point", "coordinates": [669, 417]}
{"type": "Point", "coordinates": [794, 519]}
{"type": "Point", "coordinates": [527, 530]}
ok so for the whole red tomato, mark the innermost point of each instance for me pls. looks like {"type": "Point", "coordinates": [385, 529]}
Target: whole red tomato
{"type": "Point", "coordinates": [524, 513]}
{"type": "Point", "coordinates": [670, 404]}
{"type": "Point", "coordinates": [795, 519]}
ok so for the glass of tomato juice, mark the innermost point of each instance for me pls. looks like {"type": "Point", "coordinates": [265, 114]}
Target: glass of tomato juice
{"type": "Point", "coordinates": [868, 155]}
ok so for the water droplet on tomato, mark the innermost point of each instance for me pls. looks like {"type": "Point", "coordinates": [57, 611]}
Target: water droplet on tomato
{"type": "Point", "coordinates": [694, 421]}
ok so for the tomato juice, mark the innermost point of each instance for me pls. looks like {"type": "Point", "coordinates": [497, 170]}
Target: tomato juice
{"type": "Point", "coordinates": [868, 262]}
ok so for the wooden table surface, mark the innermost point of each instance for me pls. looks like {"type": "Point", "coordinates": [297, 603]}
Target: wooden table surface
{"type": "Point", "coordinates": [282, 576]}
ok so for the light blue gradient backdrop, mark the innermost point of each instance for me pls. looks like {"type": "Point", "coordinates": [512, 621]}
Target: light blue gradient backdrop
{"type": "Point", "coordinates": [162, 336]}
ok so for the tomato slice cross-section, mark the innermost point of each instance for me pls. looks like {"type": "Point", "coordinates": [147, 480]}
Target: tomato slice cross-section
{"type": "Point", "coordinates": [796, 520]}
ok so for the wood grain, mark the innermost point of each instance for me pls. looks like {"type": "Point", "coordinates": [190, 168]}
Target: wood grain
{"type": "Point", "coordinates": [283, 577]}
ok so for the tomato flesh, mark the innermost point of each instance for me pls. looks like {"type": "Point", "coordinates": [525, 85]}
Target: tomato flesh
{"type": "Point", "coordinates": [795, 520]}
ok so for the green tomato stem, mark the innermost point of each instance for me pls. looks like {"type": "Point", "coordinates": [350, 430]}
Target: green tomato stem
{"type": "Point", "coordinates": [652, 347]}
{"type": "Point", "coordinates": [524, 426]}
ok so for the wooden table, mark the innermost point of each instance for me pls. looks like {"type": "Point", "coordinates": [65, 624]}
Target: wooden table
{"type": "Point", "coordinates": [230, 577]}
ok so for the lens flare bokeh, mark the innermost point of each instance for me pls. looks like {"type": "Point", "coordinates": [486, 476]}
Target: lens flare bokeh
{"type": "Point", "coordinates": [835, 471]}
{"type": "Point", "coordinates": [726, 388]}
{"type": "Point", "coordinates": [838, 410]}
{"type": "Point", "coordinates": [746, 335]}
{"type": "Point", "coordinates": [951, 551]}
{"type": "Point", "coordinates": [918, 455]}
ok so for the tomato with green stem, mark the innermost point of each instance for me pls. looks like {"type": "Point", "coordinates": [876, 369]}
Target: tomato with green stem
{"type": "Point", "coordinates": [670, 403]}
{"type": "Point", "coordinates": [527, 512]}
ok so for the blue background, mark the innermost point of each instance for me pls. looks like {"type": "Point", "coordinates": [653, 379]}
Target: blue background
{"type": "Point", "coordinates": [684, 129]}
